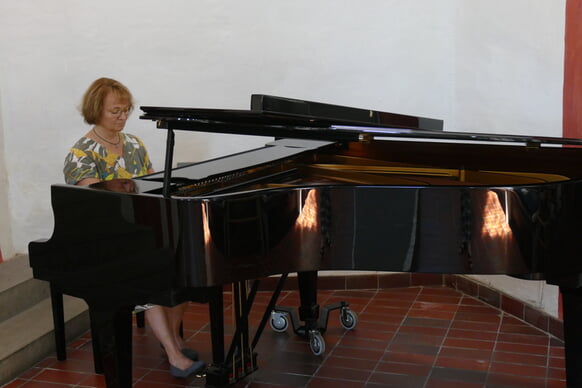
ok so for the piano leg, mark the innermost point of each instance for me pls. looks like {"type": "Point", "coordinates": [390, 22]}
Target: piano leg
{"type": "Point", "coordinates": [309, 313]}
{"type": "Point", "coordinates": [59, 322]}
{"type": "Point", "coordinates": [215, 307]}
{"type": "Point", "coordinates": [112, 327]}
{"type": "Point", "coordinates": [97, 360]}
{"type": "Point", "coordinates": [572, 307]}
{"type": "Point", "coordinates": [309, 309]}
{"type": "Point", "coordinates": [217, 373]}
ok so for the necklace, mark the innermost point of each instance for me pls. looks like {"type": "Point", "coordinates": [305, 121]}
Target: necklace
{"type": "Point", "coordinates": [107, 141]}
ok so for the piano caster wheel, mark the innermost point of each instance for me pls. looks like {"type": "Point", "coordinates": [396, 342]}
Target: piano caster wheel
{"type": "Point", "coordinates": [316, 342]}
{"type": "Point", "coordinates": [348, 318]}
{"type": "Point", "coordinates": [279, 322]}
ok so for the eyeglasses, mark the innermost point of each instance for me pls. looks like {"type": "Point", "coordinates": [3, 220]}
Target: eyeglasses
{"type": "Point", "coordinates": [119, 112]}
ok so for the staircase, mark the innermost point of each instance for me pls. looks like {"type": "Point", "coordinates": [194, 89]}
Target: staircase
{"type": "Point", "coordinates": [26, 325]}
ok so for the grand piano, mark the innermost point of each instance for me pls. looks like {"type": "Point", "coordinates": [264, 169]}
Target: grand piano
{"type": "Point", "coordinates": [338, 188]}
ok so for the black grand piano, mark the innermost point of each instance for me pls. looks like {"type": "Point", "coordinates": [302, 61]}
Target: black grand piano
{"type": "Point", "coordinates": [338, 188]}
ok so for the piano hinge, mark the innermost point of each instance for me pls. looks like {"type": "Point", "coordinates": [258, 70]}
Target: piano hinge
{"type": "Point", "coordinates": [162, 124]}
{"type": "Point", "coordinates": [365, 137]}
{"type": "Point", "coordinates": [533, 144]}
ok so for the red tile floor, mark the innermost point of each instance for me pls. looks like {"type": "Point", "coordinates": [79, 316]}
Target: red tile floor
{"type": "Point", "coordinates": [429, 337]}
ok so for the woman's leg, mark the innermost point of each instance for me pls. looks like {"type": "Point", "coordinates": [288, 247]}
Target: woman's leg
{"type": "Point", "coordinates": [175, 316]}
{"type": "Point", "coordinates": [163, 326]}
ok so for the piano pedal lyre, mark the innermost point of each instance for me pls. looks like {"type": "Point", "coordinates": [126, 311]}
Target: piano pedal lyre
{"type": "Point", "coordinates": [241, 359]}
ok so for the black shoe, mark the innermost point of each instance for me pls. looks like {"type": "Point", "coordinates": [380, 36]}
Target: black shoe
{"type": "Point", "coordinates": [195, 368]}
{"type": "Point", "coordinates": [191, 354]}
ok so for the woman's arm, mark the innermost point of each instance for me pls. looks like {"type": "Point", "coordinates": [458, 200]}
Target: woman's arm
{"type": "Point", "coordinates": [87, 181]}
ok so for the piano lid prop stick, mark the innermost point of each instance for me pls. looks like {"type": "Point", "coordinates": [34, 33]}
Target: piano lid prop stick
{"type": "Point", "coordinates": [168, 165]}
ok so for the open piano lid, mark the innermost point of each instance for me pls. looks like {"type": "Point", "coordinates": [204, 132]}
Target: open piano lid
{"type": "Point", "coordinates": [290, 118]}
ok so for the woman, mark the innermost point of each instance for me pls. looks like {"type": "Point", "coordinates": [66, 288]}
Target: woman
{"type": "Point", "coordinates": [105, 153]}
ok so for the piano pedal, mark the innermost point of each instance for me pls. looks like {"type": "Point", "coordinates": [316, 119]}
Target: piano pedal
{"type": "Point", "coordinates": [228, 374]}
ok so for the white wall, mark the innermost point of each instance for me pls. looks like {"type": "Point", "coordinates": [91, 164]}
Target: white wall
{"type": "Point", "coordinates": [509, 61]}
{"type": "Point", "coordinates": [483, 65]}
{"type": "Point", "coordinates": [6, 245]}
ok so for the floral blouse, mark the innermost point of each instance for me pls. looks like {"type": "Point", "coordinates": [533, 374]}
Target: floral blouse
{"type": "Point", "coordinates": [89, 159]}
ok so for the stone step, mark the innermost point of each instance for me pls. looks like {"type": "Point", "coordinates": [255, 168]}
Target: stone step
{"type": "Point", "coordinates": [26, 324]}
{"type": "Point", "coordinates": [18, 289]}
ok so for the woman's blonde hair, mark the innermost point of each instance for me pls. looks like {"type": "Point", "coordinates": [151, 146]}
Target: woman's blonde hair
{"type": "Point", "coordinates": [94, 97]}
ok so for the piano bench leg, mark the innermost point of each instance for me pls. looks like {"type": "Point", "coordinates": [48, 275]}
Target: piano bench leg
{"type": "Point", "coordinates": [58, 322]}
{"type": "Point", "coordinates": [140, 319]}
